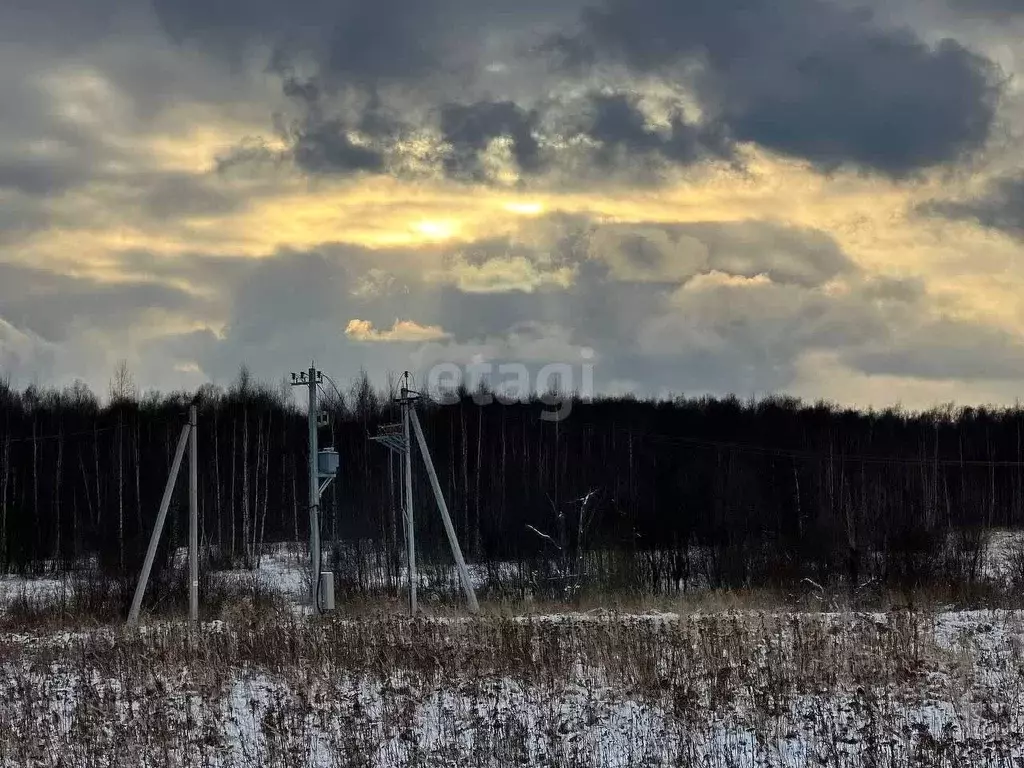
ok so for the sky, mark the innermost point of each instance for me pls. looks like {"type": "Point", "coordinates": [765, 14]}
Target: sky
{"type": "Point", "coordinates": [819, 198]}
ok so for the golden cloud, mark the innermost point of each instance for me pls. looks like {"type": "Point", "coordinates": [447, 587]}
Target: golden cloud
{"type": "Point", "coordinates": [502, 275]}
{"type": "Point", "coordinates": [401, 331]}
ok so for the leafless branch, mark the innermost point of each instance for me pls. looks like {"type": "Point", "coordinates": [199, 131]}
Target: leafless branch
{"type": "Point", "coordinates": [544, 536]}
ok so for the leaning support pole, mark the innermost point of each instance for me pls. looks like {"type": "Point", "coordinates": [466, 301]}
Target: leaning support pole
{"type": "Point", "coordinates": [158, 527]}
{"type": "Point", "coordinates": [193, 517]}
{"type": "Point", "coordinates": [410, 528]}
{"type": "Point", "coordinates": [467, 585]}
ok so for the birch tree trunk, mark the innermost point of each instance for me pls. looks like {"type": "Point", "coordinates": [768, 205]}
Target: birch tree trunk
{"type": "Point", "coordinates": [56, 496]}
{"type": "Point", "coordinates": [37, 512]}
{"type": "Point", "coordinates": [120, 490]}
{"type": "Point", "coordinates": [234, 474]}
{"type": "Point", "coordinates": [4, 498]}
{"type": "Point", "coordinates": [245, 489]}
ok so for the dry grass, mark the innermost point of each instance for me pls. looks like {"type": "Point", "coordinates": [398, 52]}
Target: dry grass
{"type": "Point", "coordinates": [710, 678]}
{"type": "Point", "coordinates": [87, 599]}
{"type": "Point", "coordinates": [723, 689]}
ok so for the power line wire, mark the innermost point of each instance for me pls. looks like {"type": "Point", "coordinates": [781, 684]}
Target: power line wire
{"type": "Point", "coordinates": [83, 433]}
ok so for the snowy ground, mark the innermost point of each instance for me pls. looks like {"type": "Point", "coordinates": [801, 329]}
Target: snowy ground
{"type": "Point", "coordinates": [283, 569]}
{"type": "Point", "coordinates": [746, 689]}
{"type": "Point", "coordinates": [739, 689]}
{"type": "Point", "coordinates": [34, 590]}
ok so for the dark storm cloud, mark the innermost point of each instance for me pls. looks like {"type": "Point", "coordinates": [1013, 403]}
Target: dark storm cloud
{"type": "Point", "coordinates": [469, 129]}
{"type": "Point", "coordinates": [997, 9]}
{"type": "Point", "coordinates": [69, 23]}
{"type": "Point", "coordinates": [358, 41]}
{"type": "Point", "coordinates": [327, 148]}
{"type": "Point", "coordinates": [1001, 207]}
{"type": "Point", "coordinates": [321, 143]}
{"type": "Point", "coordinates": [808, 78]}
{"type": "Point", "coordinates": [612, 125]}
{"type": "Point", "coordinates": [619, 124]}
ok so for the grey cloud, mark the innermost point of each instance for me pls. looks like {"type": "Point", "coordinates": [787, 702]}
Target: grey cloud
{"type": "Point", "coordinates": [43, 153]}
{"type": "Point", "coordinates": [121, 42]}
{"type": "Point", "coordinates": [174, 195]}
{"type": "Point", "coordinates": [469, 128]}
{"type": "Point", "coordinates": [23, 355]}
{"type": "Point", "coordinates": [37, 177]}
{"type": "Point", "coordinates": [351, 40]}
{"type": "Point", "coordinates": [323, 144]}
{"type": "Point", "coordinates": [1000, 207]}
{"type": "Point", "coordinates": [619, 124]}
{"type": "Point", "coordinates": [542, 138]}
{"type": "Point", "coordinates": [736, 336]}
{"type": "Point", "coordinates": [20, 218]}
{"type": "Point", "coordinates": [286, 310]}
{"type": "Point", "coordinates": [327, 148]}
{"type": "Point", "coordinates": [613, 299]}
{"type": "Point", "coordinates": [890, 289]}
{"type": "Point", "coordinates": [306, 291]}
{"type": "Point", "coordinates": [51, 306]}
{"type": "Point", "coordinates": [739, 333]}
{"type": "Point", "coordinates": [742, 322]}
{"type": "Point", "coordinates": [676, 252]}
{"type": "Point", "coordinates": [386, 39]}
{"type": "Point", "coordinates": [763, 323]}
{"type": "Point", "coordinates": [785, 254]}
{"type": "Point", "coordinates": [945, 349]}
{"type": "Point", "coordinates": [362, 42]}
{"type": "Point", "coordinates": [64, 23]}
{"type": "Point", "coordinates": [997, 9]}
{"type": "Point", "coordinates": [726, 328]}
{"type": "Point", "coordinates": [250, 155]}
{"type": "Point", "coordinates": [808, 78]}
{"type": "Point", "coordinates": [77, 106]}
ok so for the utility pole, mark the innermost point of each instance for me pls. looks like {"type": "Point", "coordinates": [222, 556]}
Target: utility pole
{"type": "Point", "coordinates": [398, 439]}
{"type": "Point", "coordinates": [193, 515]}
{"type": "Point", "coordinates": [312, 379]}
{"type": "Point", "coordinates": [314, 484]}
{"type": "Point", "coordinates": [410, 528]}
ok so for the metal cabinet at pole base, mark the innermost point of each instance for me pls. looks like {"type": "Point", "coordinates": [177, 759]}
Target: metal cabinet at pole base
{"type": "Point", "coordinates": [328, 461]}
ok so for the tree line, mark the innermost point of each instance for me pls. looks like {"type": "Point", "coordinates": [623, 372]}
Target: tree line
{"type": "Point", "coordinates": [652, 495]}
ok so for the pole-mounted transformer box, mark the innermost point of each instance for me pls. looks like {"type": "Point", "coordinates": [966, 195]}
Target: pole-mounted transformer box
{"type": "Point", "coordinates": [328, 461]}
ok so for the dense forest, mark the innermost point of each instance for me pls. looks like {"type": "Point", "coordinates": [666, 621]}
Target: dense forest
{"type": "Point", "coordinates": [652, 495]}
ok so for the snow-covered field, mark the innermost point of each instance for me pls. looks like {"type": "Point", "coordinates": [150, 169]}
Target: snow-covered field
{"type": "Point", "coordinates": [283, 569]}
{"type": "Point", "coordinates": [740, 688]}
